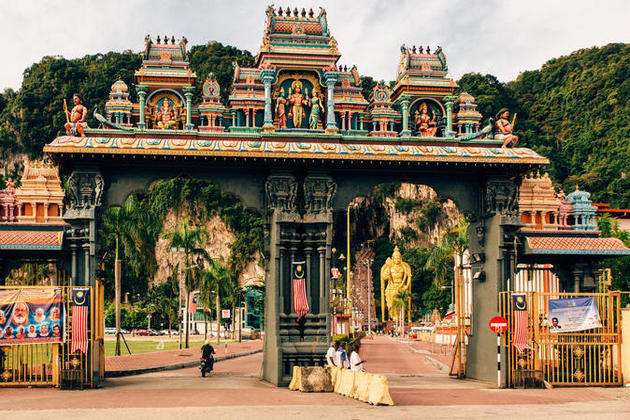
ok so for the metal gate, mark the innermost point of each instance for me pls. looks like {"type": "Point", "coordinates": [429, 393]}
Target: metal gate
{"type": "Point", "coordinates": [52, 364]}
{"type": "Point", "coordinates": [587, 358]}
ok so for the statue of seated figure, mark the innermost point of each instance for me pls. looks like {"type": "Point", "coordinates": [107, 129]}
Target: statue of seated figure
{"type": "Point", "coordinates": [166, 117]}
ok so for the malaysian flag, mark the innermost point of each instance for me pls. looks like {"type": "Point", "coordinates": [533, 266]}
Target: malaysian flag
{"type": "Point", "coordinates": [80, 305]}
{"type": "Point", "coordinates": [193, 297]}
{"type": "Point", "coordinates": [300, 302]}
{"type": "Point", "coordinates": [519, 340]}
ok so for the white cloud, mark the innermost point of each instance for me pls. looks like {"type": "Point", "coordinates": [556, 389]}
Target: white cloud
{"type": "Point", "coordinates": [497, 37]}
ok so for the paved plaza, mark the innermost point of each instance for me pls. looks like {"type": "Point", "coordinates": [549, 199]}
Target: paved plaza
{"type": "Point", "coordinates": [419, 388]}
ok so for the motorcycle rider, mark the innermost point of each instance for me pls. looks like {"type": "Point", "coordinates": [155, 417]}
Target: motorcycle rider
{"type": "Point", "coordinates": [206, 354]}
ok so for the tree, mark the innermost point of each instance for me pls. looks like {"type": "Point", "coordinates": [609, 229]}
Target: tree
{"type": "Point", "coordinates": [189, 239]}
{"type": "Point", "coordinates": [120, 223]}
{"type": "Point", "coordinates": [216, 280]}
{"type": "Point", "coordinates": [402, 299]}
{"type": "Point", "coordinates": [217, 58]}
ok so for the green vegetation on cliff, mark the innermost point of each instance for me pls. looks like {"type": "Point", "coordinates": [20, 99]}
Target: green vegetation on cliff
{"type": "Point", "coordinates": [576, 111]}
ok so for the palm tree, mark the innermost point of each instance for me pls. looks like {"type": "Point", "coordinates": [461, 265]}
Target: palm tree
{"type": "Point", "coordinates": [440, 260]}
{"type": "Point", "coordinates": [402, 299]}
{"type": "Point", "coordinates": [168, 307]}
{"type": "Point", "coordinates": [189, 239]}
{"type": "Point", "coordinates": [217, 280]}
{"type": "Point", "coordinates": [119, 222]}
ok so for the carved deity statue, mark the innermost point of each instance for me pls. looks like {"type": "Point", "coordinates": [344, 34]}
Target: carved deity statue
{"type": "Point", "coordinates": [281, 104]}
{"type": "Point", "coordinates": [426, 125]}
{"type": "Point", "coordinates": [397, 275]}
{"type": "Point", "coordinates": [166, 116]}
{"type": "Point", "coordinates": [316, 109]}
{"type": "Point", "coordinates": [297, 102]}
{"type": "Point", "coordinates": [504, 128]}
{"type": "Point", "coordinates": [75, 119]}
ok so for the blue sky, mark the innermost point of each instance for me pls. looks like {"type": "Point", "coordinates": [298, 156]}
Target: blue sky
{"type": "Point", "coordinates": [487, 36]}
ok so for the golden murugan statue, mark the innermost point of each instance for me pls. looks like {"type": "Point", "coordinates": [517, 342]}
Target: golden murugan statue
{"type": "Point", "coordinates": [397, 275]}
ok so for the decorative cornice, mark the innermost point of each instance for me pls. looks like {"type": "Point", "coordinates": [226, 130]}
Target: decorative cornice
{"type": "Point", "coordinates": [254, 148]}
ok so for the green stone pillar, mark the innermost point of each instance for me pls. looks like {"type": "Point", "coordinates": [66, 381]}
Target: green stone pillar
{"type": "Point", "coordinates": [268, 76]}
{"type": "Point", "coordinates": [448, 101]}
{"type": "Point", "coordinates": [142, 94]}
{"type": "Point", "coordinates": [188, 93]}
{"type": "Point", "coordinates": [330, 78]}
{"type": "Point", "coordinates": [404, 103]}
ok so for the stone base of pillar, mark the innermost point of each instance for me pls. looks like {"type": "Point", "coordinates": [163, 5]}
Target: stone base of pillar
{"type": "Point", "coordinates": [210, 129]}
{"type": "Point", "coordinates": [405, 133]}
{"type": "Point", "coordinates": [332, 130]}
{"type": "Point", "coordinates": [189, 127]}
{"type": "Point", "coordinates": [268, 128]}
{"type": "Point", "coordinates": [141, 126]}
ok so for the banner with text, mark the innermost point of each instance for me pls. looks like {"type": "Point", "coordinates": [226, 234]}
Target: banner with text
{"type": "Point", "coordinates": [31, 316]}
{"type": "Point", "coordinates": [574, 314]}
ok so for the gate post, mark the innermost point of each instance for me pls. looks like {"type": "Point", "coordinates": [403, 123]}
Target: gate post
{"type": "Point", "coordinates": [494, 236]}
{"type": "Point", "coordinates": [85, 189]}
{"type": "Point", "coordinates": [296, 233]}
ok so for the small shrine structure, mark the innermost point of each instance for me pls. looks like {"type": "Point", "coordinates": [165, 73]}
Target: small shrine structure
{"type": "Point", "coordinates": [558, 230]}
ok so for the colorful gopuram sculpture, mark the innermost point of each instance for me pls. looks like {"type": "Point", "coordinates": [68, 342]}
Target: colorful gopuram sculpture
{"type": "Point", "coordinates": [165, 86]}
{"type": "Point", "coordinates": [295, 83]}
{"type": "Point", "coordinates": [382, 115]}
{"type": "Point", "coordinates": [211, 110]}
{"type": "Point", "coordinates": [395, 278]}
{"type": "Point", "coordinates": [504, 128]}
{"type": "Point", "coordinates": [119, 108]}
{"type": "Point", "coordinates": [467, 118]}
{"type": "Point", "coordinates": [422, 81]}
{"type": "Point", "coordinates": [75, 119]}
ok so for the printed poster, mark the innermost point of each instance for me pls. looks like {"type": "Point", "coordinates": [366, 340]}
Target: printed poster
{"type": "Point", "coordinates": [30, 316]}
{"type": "Point", "coordinates": [574, 314]}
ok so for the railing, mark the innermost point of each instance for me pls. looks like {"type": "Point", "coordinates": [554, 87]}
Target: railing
{"type": "Point", "coordinates": [52, 364]}
{"type": "Point", "coordinates": [584, 358]}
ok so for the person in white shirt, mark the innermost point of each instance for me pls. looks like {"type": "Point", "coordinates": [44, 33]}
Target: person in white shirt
{"type": "Point", "coordinates": [331, 354]}
{"type": "Point", "coordinates": [355, 360]}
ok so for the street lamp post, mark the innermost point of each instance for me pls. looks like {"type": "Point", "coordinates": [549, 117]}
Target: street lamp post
{"type": "Point", "coordinates": [368, 263]}
{"type": "Point", "coordinates": [355, 205]}
{"type": "Point", "coordinates": [175, 250]}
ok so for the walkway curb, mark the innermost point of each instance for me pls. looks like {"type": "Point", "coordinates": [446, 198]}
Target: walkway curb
{"type": "Point", "coordinates": [438, 364]}
{"type": "Point", "coordinates": [131, 372]}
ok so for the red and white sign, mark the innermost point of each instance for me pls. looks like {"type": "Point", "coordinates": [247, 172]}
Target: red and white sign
{"type": "Point", "coordinates": [498, 324]}
{"type": "Point", "coordinates": [334, 272]}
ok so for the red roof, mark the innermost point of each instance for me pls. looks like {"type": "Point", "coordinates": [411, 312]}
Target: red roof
{"type": "Point", "coordinates": [24, 239]}
{"type": "Point", "coordinates": [575, 245]}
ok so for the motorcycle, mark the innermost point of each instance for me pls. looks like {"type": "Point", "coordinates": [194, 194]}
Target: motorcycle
{"type": "Point", "coordinates": [206, 366]}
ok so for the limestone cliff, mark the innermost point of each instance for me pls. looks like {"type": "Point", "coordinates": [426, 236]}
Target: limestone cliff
{"type": "Point", "coordinates": [429, 217]}
{"type": "Point", "coordinates": [410, 212]}
{"type": "Point", "coordinates": [217, 245]}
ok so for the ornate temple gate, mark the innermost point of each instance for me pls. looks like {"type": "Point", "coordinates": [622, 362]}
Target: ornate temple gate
{"type": "Point", "coordinates": [52, 364]}
{"type": "Point", "coordinates": [585, 358]}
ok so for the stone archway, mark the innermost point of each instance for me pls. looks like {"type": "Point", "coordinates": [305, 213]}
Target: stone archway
{"type": "Point", "coordinates": [298, 192]}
